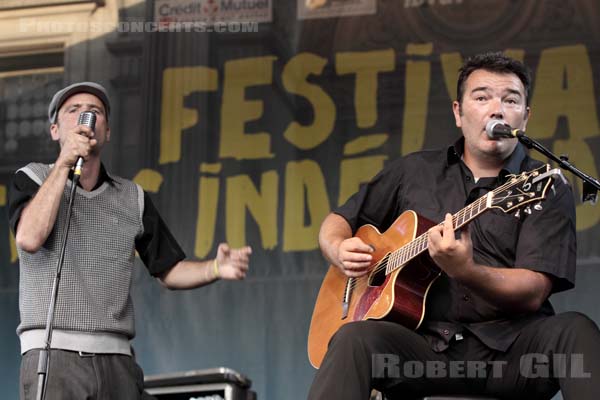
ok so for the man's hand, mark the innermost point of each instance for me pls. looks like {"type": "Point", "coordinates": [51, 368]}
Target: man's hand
{"type": "Point", "coordinates": [354, 257]}
{"type": "Point", "coordinates": [77, 142]}
{"type": "Point", "coordinates": [453, 256]}
{"type": "Point", "coordinates": [232, 263]}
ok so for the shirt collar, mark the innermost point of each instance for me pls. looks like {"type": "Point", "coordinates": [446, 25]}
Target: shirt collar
{"type": "Point", "coordinates": [512, 165]}
{"type": "Point", "coordinates": [455, 151]}
{"type": "Point", "coordinates": [102, 177]}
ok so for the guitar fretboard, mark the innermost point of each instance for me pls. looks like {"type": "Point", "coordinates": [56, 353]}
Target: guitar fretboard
{"type": "Point", "coordinates": [418, 245]}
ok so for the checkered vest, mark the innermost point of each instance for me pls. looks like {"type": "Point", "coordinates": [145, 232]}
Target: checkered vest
{"type": "Point", "coordinates": [97, 272]}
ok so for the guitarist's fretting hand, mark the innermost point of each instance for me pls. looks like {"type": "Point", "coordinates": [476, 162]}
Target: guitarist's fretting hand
{"type": "Point", "coordinates": [453, 256]}
{"type": "Point", "coordinates": [354, 257]}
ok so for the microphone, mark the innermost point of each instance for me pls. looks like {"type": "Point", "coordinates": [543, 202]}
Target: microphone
{"type": "Point", "coordinates": [497, 129]}
{"type": "Point", "coordinates": [88, 119]}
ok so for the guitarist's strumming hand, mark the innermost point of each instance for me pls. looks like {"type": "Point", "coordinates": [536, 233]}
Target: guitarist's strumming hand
{"type": "Point", "coordinates": [453, 256]}
{"type": "Point", "coordinates": [354, 257]}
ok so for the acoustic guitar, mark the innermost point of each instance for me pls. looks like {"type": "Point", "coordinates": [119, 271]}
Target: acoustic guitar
{"type": "Point", "coordinates": [401, 272]}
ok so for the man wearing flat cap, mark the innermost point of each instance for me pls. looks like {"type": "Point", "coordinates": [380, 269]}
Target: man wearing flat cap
{"type": "Point", "coordinates": [112, 217]}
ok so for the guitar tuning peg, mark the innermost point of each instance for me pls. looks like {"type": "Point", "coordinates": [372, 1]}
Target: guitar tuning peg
{"type": "Point", "coordinates": [527, 210]}
{"type": "Point", "coordinates": [538, 206]}
{"type": "Point", "coordinates": [518, 214]}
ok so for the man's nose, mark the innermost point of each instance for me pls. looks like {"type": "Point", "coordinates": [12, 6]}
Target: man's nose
{"type": "Point", "coordinates": [497, 109]}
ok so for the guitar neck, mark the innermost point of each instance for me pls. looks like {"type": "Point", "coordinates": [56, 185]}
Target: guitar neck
{"type": "Point", "coordinates": [418, 245]}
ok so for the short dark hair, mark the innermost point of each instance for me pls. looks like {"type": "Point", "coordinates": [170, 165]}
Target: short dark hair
{"type": "Point", "coordinates": [493, 62]}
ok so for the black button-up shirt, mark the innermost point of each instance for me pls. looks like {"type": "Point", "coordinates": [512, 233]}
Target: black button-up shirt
{"type": "Point", "coordinates": [433, 183]}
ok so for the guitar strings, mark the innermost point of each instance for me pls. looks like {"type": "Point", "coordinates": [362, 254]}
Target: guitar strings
{"type": "Point", "coordinates": [421, 241]}
{"type": "Point", "coordinates": [409, 251]}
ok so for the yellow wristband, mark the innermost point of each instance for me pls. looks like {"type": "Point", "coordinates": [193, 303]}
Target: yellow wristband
{"type": "Point", "coordinates": [216, 269]}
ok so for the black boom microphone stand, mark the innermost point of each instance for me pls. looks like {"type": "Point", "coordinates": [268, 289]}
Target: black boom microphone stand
{"type": "Point", "coordinates": [590, 185]}
{"type": "Point", "coordinates": [88, 119]}
{"type": "Point", "coordinates": [497, 128]}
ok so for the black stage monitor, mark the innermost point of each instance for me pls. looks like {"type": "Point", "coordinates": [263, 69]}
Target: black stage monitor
{"type": "Point", "coordinates": [204, 384]}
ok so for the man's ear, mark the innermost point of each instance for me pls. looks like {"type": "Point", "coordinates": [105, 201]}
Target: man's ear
{"type": "Point", "coordinates": [108, 134]}
{"type": "Point", "coordinates": [526, 118]}
{"type": "Point", "coordinates": [54, 132]}
{"type": "Point", "coordinates": [457, 113]}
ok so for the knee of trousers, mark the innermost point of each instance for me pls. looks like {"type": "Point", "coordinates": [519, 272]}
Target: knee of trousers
{"type": "Point", "coordinates": [577, 322]}
{"type": "Point", "coordinates": [574, 328]}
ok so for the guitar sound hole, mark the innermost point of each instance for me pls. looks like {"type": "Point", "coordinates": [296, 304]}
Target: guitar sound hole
{"type": "Point", "coordinates": [377, 276]}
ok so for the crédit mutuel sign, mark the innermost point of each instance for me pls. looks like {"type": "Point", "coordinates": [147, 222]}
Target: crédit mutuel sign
{"type": "Point", "coordinates": [211, 11]}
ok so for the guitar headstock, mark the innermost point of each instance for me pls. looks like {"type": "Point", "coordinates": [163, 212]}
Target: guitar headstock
{"type": "Point", "coordinates": [523, 189]}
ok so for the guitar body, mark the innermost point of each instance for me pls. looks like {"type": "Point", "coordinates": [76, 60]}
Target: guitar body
{"type": "Point", "coordinates": [399, 296]}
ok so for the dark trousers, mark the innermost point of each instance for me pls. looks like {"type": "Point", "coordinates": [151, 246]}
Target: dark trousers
{"type": "Point", "coordinates": [558, 352]}
{"type": "Point", "coordinates": [77, 377]}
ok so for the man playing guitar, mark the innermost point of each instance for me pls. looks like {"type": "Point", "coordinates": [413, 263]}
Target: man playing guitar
{"type": "Point", "coordinates": [488, 322]}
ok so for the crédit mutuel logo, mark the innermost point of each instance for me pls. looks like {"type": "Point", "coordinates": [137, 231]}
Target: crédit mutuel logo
{"type": "Point", "coordinates": [212, 10]}
{"type": "Point", "coordinates": [220, 16]}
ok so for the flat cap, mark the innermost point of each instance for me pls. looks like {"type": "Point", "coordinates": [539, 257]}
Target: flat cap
{"type": "Point", "coordinates": [80, 87]}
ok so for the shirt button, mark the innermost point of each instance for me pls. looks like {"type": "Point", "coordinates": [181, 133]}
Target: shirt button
{"type": "Point", "coordinates": [468, 178]}
{"type": "Point", "coordinates": [466, 297]}
{"type": "Point", "coordinates": [446, 332]}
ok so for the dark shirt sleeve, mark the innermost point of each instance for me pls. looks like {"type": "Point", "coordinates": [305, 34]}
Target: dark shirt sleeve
{"type": "Point", "coordinates": [22, 189]}
{"type": "Point", "coordinates": [377, 202]}
{"type": "Point", "coordinates": [157, 247]}
{"type": "Point", "coordinates": [547, 241]}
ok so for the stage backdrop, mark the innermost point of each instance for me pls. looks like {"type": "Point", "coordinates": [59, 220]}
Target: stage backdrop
{"type": "Point", "coordinates": [252, 133]}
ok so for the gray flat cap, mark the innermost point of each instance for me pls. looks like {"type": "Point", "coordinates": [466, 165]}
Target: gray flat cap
{"type": "Point", "coordinates": [81, 87]}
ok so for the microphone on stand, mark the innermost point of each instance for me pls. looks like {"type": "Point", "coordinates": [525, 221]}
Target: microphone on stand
{"type": "Point", "coordinates": [88, 119]}
{"type": "Point", "coordinates": [497, 129]}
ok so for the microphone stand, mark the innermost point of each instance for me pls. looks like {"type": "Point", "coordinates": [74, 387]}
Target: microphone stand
{"type": "Point", "coordinates": [44, 357]}
{"type": "Point", "coordinates": [590, 185]}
